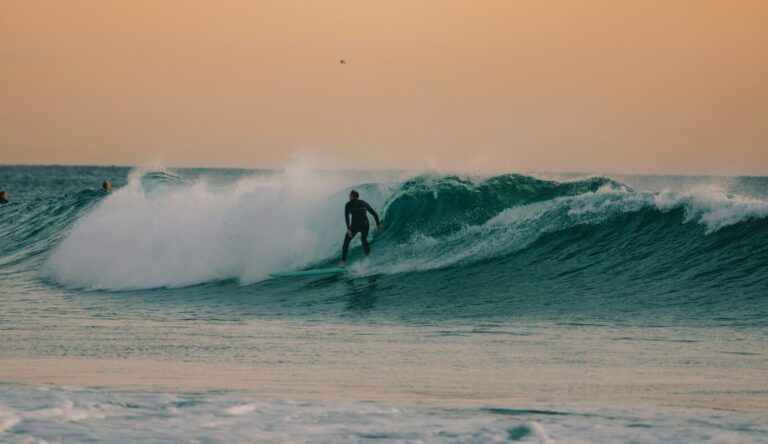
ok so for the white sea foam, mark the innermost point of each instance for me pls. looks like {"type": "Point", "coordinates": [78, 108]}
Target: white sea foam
{"type": "Point", "coordinates": [68, 411]}
{"type": "Point", "coordinates": [141, 417]}
{"type": "Point", "coordinates": [7, 420]}
{"type": "Point", "coordinates": [242, 409]}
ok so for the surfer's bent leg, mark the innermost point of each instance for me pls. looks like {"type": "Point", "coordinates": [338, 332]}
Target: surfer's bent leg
{"type": "Point", "coordinates": [364, 238]}
{"type": "Point", "coordinates": [345, 248]}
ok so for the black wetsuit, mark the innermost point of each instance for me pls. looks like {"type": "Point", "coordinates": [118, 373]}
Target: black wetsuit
{"type": "Point", "coordinates": [356, 211]}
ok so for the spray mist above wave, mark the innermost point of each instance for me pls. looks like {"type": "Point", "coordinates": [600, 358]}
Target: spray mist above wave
{"type": "Point", "coordinates": [173, 233]}
{"type": "Point", "coordinates": [169, 232]}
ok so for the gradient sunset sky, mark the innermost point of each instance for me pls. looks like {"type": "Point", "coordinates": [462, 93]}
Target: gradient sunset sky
{"type": "Point", "coordinates": [672, 86]}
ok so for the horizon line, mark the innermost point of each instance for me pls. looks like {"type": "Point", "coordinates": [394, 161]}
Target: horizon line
{"type": "Point", "coordinates": [446, 171]}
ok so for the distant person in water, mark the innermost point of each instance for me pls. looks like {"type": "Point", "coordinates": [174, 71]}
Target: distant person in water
{"type": "Point", "coordinates": [3, 197]}
{"type": "Point", "coordinates": [357, 222]}
{"type": "Point", "coordinates": [107, 186]}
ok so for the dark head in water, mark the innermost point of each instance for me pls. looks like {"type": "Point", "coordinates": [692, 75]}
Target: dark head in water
{"type": "Point", "coordinates": [106, 186]}
{"type": "Point", "coordinates": [3, 197]}
{"type": "Point", "coordinates": [353, 195]}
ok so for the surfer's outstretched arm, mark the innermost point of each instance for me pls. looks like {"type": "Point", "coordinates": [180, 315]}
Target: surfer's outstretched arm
{"type": "Point", "coordinates": [375, 216]}
{"type": "Point", "coordinates": [379, 228]}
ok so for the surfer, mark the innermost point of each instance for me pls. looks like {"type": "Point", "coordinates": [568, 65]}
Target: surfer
{"type": "Point", "coordinates": [356, 210]}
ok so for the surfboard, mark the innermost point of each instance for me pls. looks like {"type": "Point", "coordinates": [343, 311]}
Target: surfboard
{"type": "Point", "coordinates": [315, 272]}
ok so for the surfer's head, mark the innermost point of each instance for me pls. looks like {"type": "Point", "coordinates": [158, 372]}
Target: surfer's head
{"type": "Point", "coordinates": [3, 197]}
{"type": "Point", "coordinates": [106, 186]}
{"type": "Point", "coordinates": [353, 195]}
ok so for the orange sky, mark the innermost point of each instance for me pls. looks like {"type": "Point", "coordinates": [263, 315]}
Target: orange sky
{"type": "Point", "coordinates": [672, 86]}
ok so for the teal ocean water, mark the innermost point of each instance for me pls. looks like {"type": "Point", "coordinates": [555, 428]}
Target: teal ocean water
{"type": "Point", "coordinates": [607, 292]}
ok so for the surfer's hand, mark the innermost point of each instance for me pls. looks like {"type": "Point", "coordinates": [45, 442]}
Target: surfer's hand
{"type": "Point", "coordinates": [349, 234]}
{"type": "Point", "coordinates": [379, 228]}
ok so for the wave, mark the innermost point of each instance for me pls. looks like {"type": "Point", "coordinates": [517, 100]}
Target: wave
{"type": "Point", "coordinates": [166, 230]}
{"type": "Point", "coordinates": [551, 208]}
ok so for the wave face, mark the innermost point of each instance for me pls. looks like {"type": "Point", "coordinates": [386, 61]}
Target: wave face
{"type": "Point", "coordinates": [594, 240]}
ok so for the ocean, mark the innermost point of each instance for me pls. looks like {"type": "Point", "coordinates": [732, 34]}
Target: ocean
{"type": "Point", "coordinates": [517, 307]}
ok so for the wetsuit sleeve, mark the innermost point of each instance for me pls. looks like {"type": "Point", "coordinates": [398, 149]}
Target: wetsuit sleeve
{"type": "Point", "coordinates": [370, 210]}
{"type": "Point", "coordinates": [347, 215]}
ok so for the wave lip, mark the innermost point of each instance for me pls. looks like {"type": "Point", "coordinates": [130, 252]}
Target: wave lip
{"type": "Point", "coordinates": [713, 207]}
